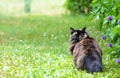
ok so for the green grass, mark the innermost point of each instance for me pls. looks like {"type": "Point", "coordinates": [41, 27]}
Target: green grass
{"type": "Point", "coordinates": [38, 47]}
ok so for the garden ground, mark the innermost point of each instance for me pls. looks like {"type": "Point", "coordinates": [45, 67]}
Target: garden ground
{"type": "Point", "coordinates": [38, 46]}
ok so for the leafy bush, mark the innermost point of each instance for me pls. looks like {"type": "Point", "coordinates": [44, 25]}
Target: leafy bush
{"type": "Point", "coordinates": [78, 6]}
{"type": "Point", "coordinates": [108, 13]}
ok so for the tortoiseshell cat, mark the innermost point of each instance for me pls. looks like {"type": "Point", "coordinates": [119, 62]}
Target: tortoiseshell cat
{"type": "Point", "coordinates": [85, 50]}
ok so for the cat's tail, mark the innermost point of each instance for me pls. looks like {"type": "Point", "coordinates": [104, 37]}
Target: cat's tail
{"type": "Point", "coordinates": [93, 63]}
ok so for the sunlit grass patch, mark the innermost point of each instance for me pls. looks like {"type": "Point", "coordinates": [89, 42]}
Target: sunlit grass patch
{"type": "Point", "coordinates": [46, 7]}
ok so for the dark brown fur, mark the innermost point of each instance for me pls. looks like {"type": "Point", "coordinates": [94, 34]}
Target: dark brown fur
{"type": "Point", "coordinates": [86, 52]}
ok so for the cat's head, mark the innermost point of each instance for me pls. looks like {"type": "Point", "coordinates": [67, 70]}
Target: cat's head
{"type": "Point", "coordinates": [78, 35]}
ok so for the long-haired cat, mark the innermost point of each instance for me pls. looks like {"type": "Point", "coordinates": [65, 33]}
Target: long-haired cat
{"type": "Point", "coordinates": [86, 51]}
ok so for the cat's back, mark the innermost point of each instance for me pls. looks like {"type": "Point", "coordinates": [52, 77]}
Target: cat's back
{"type": "Point", "coordinates": [87, 42]}
{"type": "Point", "coordinates": [88, 45]}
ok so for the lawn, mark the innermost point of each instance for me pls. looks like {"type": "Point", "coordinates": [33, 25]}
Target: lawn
{"type": "Point", "coordinates": [38, 47]}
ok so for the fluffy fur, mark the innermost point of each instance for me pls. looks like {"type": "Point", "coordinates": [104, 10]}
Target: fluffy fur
{"type": "Point", "coordinates": [86, 51]}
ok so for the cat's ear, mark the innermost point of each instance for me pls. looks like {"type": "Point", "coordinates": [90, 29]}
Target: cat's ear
{"type": "Point", "coordinates": [84, 29]}
{"type": "Point", "coordinates": [72, 30]}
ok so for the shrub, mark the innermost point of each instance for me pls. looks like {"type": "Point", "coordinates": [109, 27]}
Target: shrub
{"type": "Point", "coordinates": [108, 12]}
{"type": "Point", "coordinates": [78, 6]}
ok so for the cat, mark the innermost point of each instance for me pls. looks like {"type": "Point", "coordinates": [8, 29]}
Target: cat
{"type": "Point", "coordinates": [87, 54]}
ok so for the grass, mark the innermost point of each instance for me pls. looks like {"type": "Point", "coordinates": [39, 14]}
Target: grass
{"type": "Point", "coordinates": [38, 47]}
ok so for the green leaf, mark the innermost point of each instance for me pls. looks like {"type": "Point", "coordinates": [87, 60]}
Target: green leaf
{"type": "Point", "coordinates": [116, 30]}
